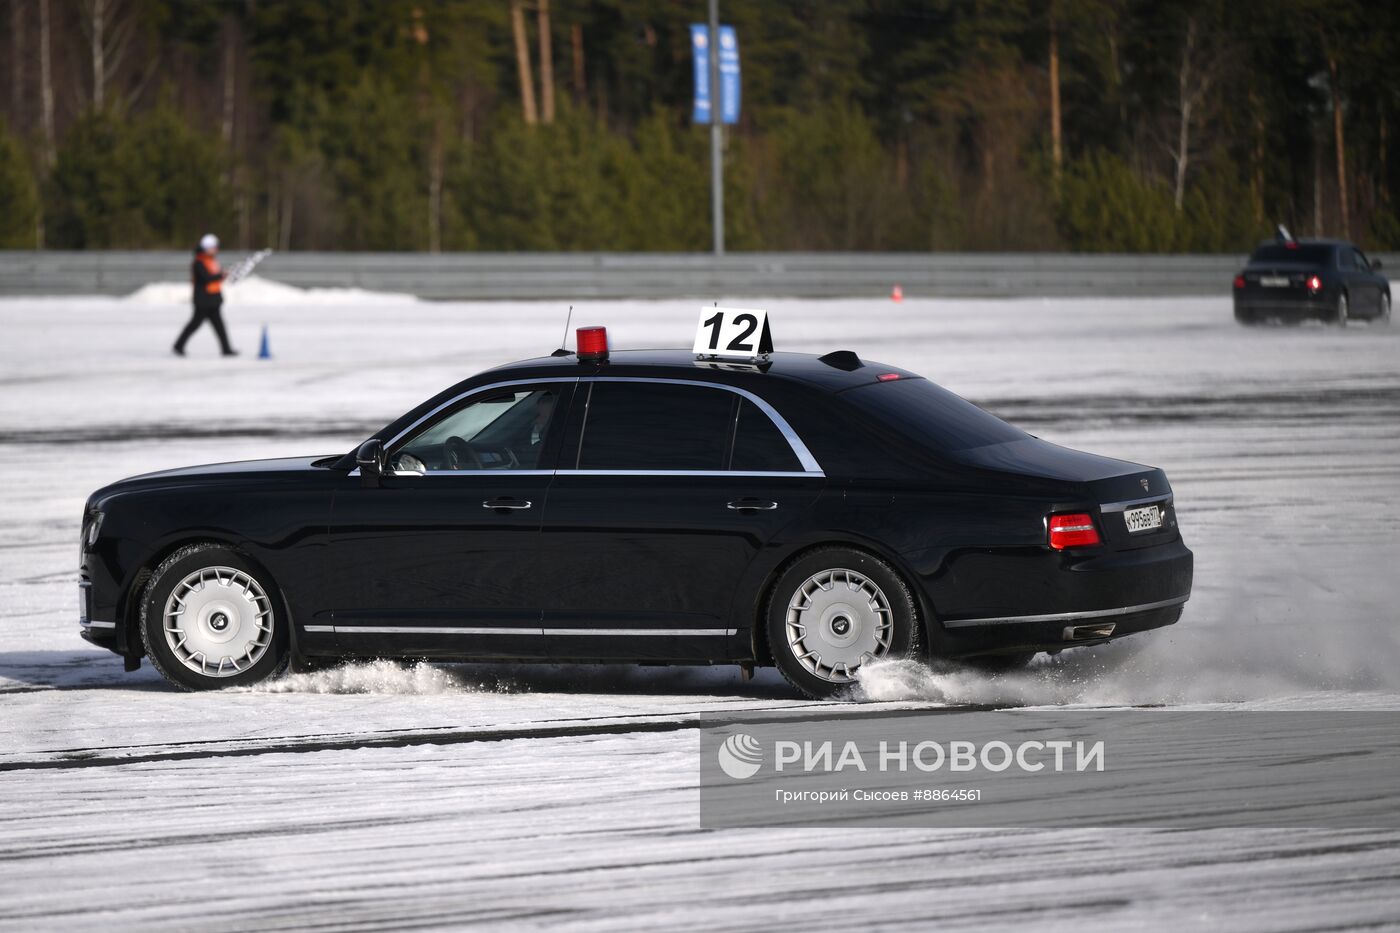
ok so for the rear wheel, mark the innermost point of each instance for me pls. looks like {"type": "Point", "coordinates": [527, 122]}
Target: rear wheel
{"type": "Point", "coordinates": [1384, 315]}
{"type": "Point", "coordinates": [210, 618]}
{"type": "Point", "coordinates": [1343, 312]}
{"type": "Point", "coordinates": [834, 610]}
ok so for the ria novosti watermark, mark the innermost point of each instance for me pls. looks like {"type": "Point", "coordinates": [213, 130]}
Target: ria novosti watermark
{"type": "Point", "coordinates": [1057, 768]}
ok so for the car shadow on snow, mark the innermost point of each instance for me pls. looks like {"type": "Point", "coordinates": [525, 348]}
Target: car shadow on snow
{"type": "Point", "coordinates": [26, 671]}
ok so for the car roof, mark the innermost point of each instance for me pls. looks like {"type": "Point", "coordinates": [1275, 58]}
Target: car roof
{"type": "Point", "coordinates": [1309, 241]}
{"type": "Point", "coordinates": [834, 372]}
{"type": "Point", "coordinates": [831, 372]}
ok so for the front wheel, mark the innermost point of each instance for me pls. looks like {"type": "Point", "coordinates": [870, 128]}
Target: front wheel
{"type": "Point", "coordinates": [210, 618]}
{"type": "Point", "coordinates": [833, 611]}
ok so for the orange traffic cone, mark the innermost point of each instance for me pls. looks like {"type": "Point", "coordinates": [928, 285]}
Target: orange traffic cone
{"type": "Point", "coordinates": [896, 294]}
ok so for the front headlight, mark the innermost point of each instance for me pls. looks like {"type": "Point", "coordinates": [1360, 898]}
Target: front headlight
{"type": "Point", "coordinates": [94, 527]}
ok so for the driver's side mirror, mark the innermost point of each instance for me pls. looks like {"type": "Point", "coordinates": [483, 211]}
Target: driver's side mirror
{"type": "Point", "coordinates": [370, 459]}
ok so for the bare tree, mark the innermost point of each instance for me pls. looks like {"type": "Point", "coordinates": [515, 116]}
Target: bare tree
{"type": "Point", "coordinates": [1056, 140]}
{"type": "Point", "coordinates": [16, 61]}
{"type": "Point", "coordinates": [546, 65]}
{"type": "Point", "coordinates": [576, 40]}
{"type": "Point", "coordinates": [1339, 135]}
{"type": "Point", "coordinates": [522, 62]}
{"type": "Point", "coordinates": [1200, 65]}
{"type": "Point", "coordinates": [46, 81]}
{"type": "Point", "coordinates": [110, 27]}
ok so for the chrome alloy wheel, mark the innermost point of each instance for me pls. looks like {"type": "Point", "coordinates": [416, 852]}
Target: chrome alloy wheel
{"type": "Point", "coordinates": [218, 621]}
{"type": "Point", "coordinates": [836, 621]}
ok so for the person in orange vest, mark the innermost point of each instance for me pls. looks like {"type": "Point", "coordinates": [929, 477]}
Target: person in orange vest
{"type": "Point", "coordinates": [208, 281]}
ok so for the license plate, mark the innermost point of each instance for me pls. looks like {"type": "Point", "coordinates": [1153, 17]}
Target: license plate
{"type": "Point", "coordinates": [1274, 281]}
{"type": "Point", "coordinates": [1143, 519]}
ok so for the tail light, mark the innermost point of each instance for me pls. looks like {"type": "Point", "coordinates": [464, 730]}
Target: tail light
{"type": "Point", "coordinates": [1239, 281]}
{"type": "Point", "coordinates": [1314, 284]}
{"type": "Point", "coordinates": [592, 343]}
{"type": "Point", "coordinates": [1074, 530]}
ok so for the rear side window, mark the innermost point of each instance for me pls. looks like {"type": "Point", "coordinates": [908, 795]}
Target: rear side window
{"type": "Point", "coordinates": [932, 415]}
{"type": "Point", "coordinates": [1277, 252]}
{"type": "Point", "coordinates": [759, 447]}
{"type": "Point", "coordinates": [653, 426]}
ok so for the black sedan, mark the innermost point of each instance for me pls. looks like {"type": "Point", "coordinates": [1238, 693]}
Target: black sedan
{"type": "Point", "coordinates": [1291, 280]}
{"type": "Point", "coordinates": [816, 513]}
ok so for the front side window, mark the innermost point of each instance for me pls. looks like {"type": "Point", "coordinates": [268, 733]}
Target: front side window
{"type": "Point", "coordinates": [1359, 261]}
{"type": "Point", "coordinates": [502, 430]}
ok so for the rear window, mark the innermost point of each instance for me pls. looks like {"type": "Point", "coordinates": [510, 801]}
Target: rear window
{"type": "Point", "coordinates": [932, 415]}
{"type": "Point", "coordinates": [1277, 252]}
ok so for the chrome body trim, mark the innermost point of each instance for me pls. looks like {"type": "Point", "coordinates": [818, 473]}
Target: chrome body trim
{"type": "Point", "coordinates": [324, 629]}
{"type": "Point", "coordinates": [1068, 616]}
{"type": "Point", "coordinates": [1133, 503]}
{"type": "Point", "coordinates": [485, 630]}
{"type": "Point", "coordinates": [95, 623]}
{"type": "Point", "coordinates": [431, 630]}
{"type": "Point", "coordinates": [674, 632]}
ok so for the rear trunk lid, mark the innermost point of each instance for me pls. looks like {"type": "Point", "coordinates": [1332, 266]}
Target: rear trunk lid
{"type": "Point", "coordinates": [1117, 487]}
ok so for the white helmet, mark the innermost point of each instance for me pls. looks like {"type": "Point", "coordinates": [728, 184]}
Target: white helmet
{"type": "Point", "coordinates": [208, 242]}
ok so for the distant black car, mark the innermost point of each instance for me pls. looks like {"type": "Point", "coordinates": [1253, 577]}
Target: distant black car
{"type": "Point", "coordinates": [1291, 280]}
{"type": "Point", "coordinates": [813, 512]}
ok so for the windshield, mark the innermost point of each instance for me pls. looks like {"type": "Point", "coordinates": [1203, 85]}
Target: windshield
{"type": "Point", "coordinates": [1277, 252]}
{"type": "Point", "coordinates": [931, 414]}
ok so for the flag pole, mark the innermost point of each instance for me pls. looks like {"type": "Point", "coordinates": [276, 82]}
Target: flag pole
{"type": "Point", "coordinates": [716, 128]}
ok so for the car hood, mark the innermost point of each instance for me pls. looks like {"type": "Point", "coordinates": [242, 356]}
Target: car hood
{"type": "Point", "coordinates": [217, 472]}
{"type": "Point", "coordinates": [1102, 478]}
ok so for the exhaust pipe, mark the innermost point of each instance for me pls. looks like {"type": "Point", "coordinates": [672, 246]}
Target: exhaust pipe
{"type": "Point", "coordinates": [1087, 632]}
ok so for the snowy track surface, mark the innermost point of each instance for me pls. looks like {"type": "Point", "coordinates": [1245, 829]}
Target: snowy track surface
{"type": "Point", "coordinates": [388, 797]}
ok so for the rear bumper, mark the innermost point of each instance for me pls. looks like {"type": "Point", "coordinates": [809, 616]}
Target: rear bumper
{"type": "Point", "coordinates": [1052, 634]}
{"type": "Point", "coordinates": [1058, 601]}
{"type": "Point", "coordinates": [1285, 310]}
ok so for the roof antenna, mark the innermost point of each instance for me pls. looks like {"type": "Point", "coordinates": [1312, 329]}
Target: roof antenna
{"type": "Point", "coordinates": [563, 341]}
{"type": "Point", "coordinates": [1282, 234]}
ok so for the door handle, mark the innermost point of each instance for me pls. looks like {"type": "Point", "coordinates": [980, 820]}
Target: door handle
{"type": "Point", "coordinates": [506, 502]}
{"type": "Point", "coordinates": [753, 505]}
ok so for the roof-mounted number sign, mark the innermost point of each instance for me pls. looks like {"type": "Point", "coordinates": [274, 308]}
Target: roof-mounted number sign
{"type": "Point", "coordinates": [733, 332]}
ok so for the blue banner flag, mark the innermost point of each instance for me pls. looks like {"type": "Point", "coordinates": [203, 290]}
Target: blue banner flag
{"type": "Point", "coordinates": [728, 73]}
{"type": "Point", "coordinates": [700, 48]}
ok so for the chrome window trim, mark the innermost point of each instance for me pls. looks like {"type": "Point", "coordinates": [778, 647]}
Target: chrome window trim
{"type": "Point", "coordinates": [1130, 503]}
{"type": "Point", "coordinates": [810, 467]}
{"type": "Point", "coordinates": [1068, 616]}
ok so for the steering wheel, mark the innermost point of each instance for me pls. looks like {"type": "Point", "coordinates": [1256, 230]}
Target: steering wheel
{"type": "Point", "coordinates": [408, 463]}
{"type": "Point", "coordinates": [465, 455]}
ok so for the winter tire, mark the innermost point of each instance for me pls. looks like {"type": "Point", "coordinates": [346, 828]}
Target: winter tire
{"type": "Point", "coordinates": [833, 610]}
{"type": "Point", "coordinates": [210, 618]}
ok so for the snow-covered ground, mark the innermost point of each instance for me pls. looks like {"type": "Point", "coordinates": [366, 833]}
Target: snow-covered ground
{"type": "Point", "coordinates": [380, 796]}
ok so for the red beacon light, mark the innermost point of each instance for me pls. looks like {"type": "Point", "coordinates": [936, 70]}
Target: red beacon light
{"type": "Point", "coordinates": [592, 343]}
